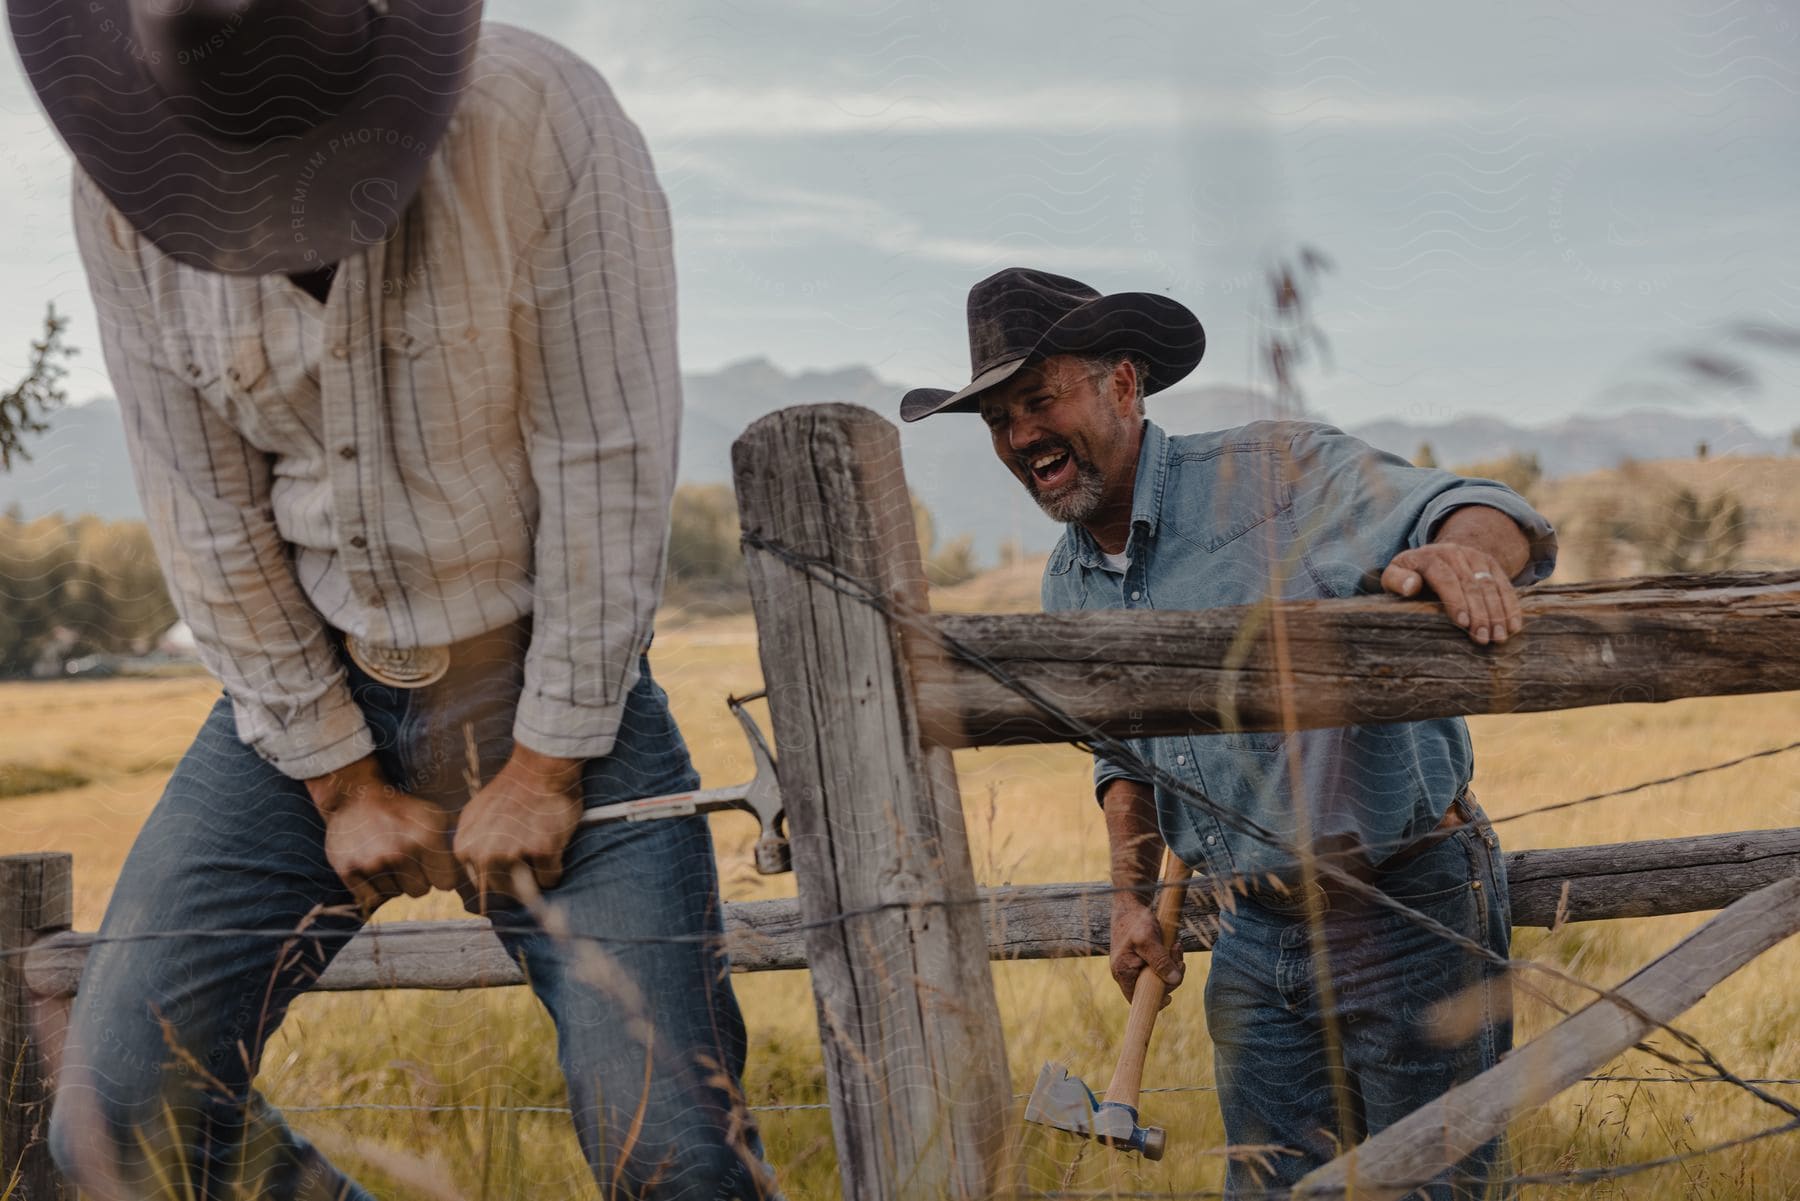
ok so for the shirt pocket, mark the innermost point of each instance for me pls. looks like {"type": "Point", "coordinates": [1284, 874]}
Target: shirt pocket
{"type": "Point", "coordinates": [1249, 486]}
{"type": "Point", "coordinates": [232, 374]}
{"type": "Point", "coordinates": [438, 390]}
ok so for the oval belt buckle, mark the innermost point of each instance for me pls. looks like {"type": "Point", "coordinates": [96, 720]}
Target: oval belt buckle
{"type": "Point", "coordinates": [399, 666]}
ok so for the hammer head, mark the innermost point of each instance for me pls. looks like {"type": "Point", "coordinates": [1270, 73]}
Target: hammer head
{"type": "Point", "coordinates": [1061, 1101]}
{"type": "Point", "coordinates": [773, 853]}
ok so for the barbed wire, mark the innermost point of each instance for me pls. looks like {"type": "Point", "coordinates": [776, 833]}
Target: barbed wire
{"type": "Point", "coordinates": [1674, 779]}
{"type": "Point", "coordinates": [818, 1106]}
{"type": "Point", "coordinates": [558, 1110]}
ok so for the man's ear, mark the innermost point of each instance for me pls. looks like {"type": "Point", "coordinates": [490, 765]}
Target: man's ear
{"type": "Point", "coordinates": [1124, 385]}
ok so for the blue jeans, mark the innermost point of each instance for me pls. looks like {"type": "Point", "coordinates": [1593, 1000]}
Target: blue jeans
{"type": "Point", "coordinates": [1412, 1013]}
{"type": "Point", "coordinates": [168, 1026]}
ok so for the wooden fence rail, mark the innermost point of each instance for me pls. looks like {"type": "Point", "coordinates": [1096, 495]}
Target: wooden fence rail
{"type": "Point", "coordinates": [1360, 660]}
{"type": "Point", "coordinates": [867, 694]}
{"type": "Point", "coordinates": [1057, 921]}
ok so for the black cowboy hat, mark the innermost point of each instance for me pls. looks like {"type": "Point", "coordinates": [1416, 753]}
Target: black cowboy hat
{"type": "Point", "coordinates": [251, 136]}
{"type": "Point", "coordinates": [1019, 317]}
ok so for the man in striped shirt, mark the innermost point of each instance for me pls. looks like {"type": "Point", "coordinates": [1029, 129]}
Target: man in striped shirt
{"type": "Point", "coordinates": [401, 391]}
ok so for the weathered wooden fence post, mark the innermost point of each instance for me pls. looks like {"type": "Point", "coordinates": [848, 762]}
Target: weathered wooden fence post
{"type": "Point", "coordinates": [36, 898]}
{"type": "Point", "coordinates": [914, 1055]}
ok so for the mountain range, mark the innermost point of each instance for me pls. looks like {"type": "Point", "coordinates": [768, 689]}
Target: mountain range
{"type": "Point", "coordinates": [80, 465]}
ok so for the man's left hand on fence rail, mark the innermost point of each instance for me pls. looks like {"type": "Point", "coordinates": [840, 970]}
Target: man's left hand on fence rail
{"type": "Point", "coordinates": [1469, 566]}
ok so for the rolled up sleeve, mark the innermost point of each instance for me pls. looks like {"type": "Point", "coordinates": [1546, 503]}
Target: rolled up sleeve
{"type": "Point", "coordinates": [1361, 506]}
{"type": "Point", "coordinates": [1494, 495]}
{"type": "Point", "coordinates": [1107, 770]}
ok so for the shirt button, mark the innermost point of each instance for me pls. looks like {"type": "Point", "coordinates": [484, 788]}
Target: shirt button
{"type": "Point", "coordinates": [1135, 594]}
{"type": "Point", "coordinates": [348, 452]}
{"type": "Point", "coordinates": [1181, 760]}
{"type": "Point", "coordinates": [359, 542]}
{"type": "Point", "coordinates": [1211, 839]}
{"type": "Point", "coordinates": [340, 352]}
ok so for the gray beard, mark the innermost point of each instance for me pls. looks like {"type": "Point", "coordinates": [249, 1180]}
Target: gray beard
{"type": "Point", "coordinates": [1079, 501]}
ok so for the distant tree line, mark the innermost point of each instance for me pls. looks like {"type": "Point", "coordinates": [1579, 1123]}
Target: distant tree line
{"type": "Point", "coordinates": [87, 585]}
{"type": "Point", "coordinates": [91, 586]}
{"type": "Point", "coordinates": [706, 566]}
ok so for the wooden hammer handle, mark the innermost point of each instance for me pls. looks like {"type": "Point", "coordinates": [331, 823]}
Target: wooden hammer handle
{"type": "Point", "coordinates": [1147, 994]}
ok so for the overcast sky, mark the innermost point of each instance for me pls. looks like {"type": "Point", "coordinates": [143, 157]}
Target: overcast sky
{"type": "Point", "coordinates": [1529, 205]}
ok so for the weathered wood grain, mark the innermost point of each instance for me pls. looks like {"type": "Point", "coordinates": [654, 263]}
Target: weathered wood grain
{"type": "Point", "coordinates": [1360, 660]}
{"type": "Point", "coordinates": [915, 1060]}
{"type": "Point", "coordinates": [1432, 1139]}
{"type": "Point", "coordinates": [1055, 921]}
{"type": "Point", "coordinates": [36, 895]}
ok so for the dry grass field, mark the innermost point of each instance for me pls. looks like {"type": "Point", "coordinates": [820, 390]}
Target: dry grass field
{"type": "Point", "coordinates": [1030, 819]}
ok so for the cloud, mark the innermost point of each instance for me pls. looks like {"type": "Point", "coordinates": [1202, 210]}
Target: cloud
{"type": "Point", "coordinates": [750, 214]}
{"type": "Point", "coordinates": [714, 110]}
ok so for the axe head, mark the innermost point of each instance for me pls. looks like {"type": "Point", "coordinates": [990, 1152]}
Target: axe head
{"type": "Point", "coordinates": [1061, 1101]}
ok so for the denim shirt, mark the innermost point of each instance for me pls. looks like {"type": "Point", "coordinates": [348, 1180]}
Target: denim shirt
{"type": "Point", "coordinates": [1296, 511]}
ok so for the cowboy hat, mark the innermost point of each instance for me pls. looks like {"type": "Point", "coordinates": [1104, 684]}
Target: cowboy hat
{"type": "Point", "coordinates": [251, 136]}
{"type": "Point", "coordinates": [1019, 317]}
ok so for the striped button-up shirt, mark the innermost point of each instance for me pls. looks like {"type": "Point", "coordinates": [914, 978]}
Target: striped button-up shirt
{"type": "Point", "coordinates": [478, 423]}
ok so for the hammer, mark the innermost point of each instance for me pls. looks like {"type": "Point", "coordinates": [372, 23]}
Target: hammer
{"type": "Point", "coordinates": [1064, 1102]}
{"type": "Point", "coordinates": [759, 796]}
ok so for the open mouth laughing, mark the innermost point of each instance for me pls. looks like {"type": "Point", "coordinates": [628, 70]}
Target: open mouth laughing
{"type": "Point", "coordinates": [1050, 468]}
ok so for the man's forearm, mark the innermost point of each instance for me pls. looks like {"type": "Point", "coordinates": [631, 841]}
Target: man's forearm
{"type": "Point", "coordinates": [1490, 530]}
{"type": "Point", "coordinates": [1132, 835]}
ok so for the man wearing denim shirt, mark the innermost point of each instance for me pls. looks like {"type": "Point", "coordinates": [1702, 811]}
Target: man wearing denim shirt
{"type": "Point", "coordinates": [1311, 1052]}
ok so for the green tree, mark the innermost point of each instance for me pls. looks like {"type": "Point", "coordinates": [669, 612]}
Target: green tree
{"type": "Point", "coordinates": [24, 410]}
{"type": "Point", "coordinates": [706, 566]}
{"type": "Point", "coordinates": [95, 579]}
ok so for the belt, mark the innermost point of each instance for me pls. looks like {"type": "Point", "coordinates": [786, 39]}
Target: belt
{"type": "Point", "coordinates": [1286, 898]}
{"type": "Point", "coordinates": [1460, 813]}
{"type": "Point", "coordinates": [419, 666]}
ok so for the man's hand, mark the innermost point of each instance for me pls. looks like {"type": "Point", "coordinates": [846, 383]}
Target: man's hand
{"type": "Point", "coordinates": [521, 820]}
{"type": "Point", "coordinates": [1137, 944]}
{"type": "Point", "coordinates": [1476, 593]}
{"type": "Point", "coordinates": [1136, 848]}
{"type": "Point", "coordinates": [382, 842]}
{"type": "Point", "coordinates": [1469, 566]}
